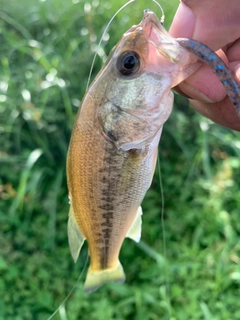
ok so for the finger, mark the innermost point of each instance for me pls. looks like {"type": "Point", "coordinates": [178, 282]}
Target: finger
{"type": "Point", "coordinates": [183, 23]}
{"type": "Point", "coordinates": [233, 51]}
{"type": "Point", "coordinates": [204, 85]}
{"type": "Point", "coordinates": [214, 23]}
{"type": "Point", "coordinates": [222, 112]}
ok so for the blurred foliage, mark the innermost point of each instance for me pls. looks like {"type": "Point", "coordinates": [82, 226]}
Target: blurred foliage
{"type": "Point", "coordinates": [187, 265]}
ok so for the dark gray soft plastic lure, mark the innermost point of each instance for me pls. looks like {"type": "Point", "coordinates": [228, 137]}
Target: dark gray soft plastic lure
{"type": "Point", "coordinates": [208, 56]}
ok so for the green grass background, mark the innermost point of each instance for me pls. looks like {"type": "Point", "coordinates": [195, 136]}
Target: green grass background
{"type": "Point", "coordinates": [46, 50]}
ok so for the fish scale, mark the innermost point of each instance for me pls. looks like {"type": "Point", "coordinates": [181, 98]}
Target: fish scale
{"type": "Point", "coordinates": [208, 56]}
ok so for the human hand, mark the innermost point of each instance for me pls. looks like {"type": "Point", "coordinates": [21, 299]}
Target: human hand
{"type": "Point", "coordinates": [215, 23]}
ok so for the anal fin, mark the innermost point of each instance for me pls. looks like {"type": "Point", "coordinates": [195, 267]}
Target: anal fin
{"type": "Point", "coordinates": [134, 232]}
{"type": "Point", "coordinates": [75, 236]}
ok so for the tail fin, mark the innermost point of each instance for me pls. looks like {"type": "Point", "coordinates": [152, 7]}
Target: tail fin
{"type": "Point", "coordinates": [96, 279]}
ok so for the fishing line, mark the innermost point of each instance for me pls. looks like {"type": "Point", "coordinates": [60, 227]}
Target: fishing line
{"type": "Point", "coordinates": [162, 207]}
{"type": "Point", "coordinates": [71, 291]}
{"type": "Point", "coordinates": [101, 40]}
{"type": "Point", "coordinates": [163, 16]}
{"type": "Point", "coordinates": [164, 235]}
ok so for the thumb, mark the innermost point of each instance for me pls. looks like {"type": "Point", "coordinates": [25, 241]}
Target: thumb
{"type": "Point", "coordinates": [183, 23]}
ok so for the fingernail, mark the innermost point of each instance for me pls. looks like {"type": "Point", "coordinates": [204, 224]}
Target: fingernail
{"type": "Point", "coordinates": [236, 70]}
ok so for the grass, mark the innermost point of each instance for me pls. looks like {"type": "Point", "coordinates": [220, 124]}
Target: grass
{"type": "Point", "coordinates": [46, 54]}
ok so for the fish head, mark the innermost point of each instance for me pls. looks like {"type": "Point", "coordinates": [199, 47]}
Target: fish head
{"type": "Point", "coordinates": [155, 50]}
{"type": "Point", "coordinates": [134, 85]}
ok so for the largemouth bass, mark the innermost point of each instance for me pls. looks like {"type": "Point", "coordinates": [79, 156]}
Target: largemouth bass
{"type": "Point", "coordinates": [114, 144]}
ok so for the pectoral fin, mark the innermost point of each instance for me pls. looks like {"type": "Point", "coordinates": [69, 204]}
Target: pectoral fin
{"type": "Point", "coordinates": [134, 232]}
{"type": "Point", "coordinates": [75, 236]}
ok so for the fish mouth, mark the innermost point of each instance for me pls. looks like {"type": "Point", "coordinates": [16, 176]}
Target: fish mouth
{"type": "Point", "coordinates": [158, 36]}
{"type": "Point", "coordinates": [150, 19]}
{"type": "Point", "coordinates": [151, 25]}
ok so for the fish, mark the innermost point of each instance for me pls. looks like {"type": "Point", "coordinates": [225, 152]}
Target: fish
{"type": "Point", "coordinates": [114, 144]}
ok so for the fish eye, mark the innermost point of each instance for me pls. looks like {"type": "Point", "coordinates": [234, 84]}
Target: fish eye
{"type": "Point", "coordinates": [128, 63]}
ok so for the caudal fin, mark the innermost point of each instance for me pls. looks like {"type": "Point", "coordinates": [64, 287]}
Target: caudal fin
{"type": "Point", "coordinates": [96, 279]}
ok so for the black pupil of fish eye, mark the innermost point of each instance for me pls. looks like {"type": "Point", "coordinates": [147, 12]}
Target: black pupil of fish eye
{"type": "Point", "coordinates": [128, 63]}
